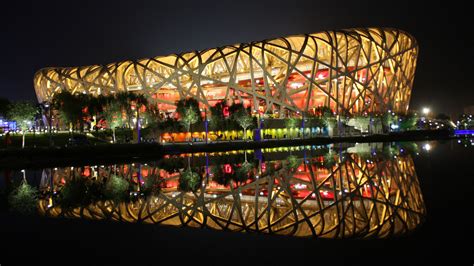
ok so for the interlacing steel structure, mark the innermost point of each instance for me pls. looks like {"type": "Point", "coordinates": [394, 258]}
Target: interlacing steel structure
{"type": "Point", "coordinates": [351, 198]}
{"type": "Point", "coordinates": [351, 71]}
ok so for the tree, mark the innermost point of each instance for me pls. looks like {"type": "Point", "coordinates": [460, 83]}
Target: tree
{"type": "Point", "coordinates": [291, 123]}
{"type": "Point", "coordinates": [292, 163]}
{"type": "Point", "coordinates": [188, 118]}
{"type": "Point", "coordinates": [23, 113]}
{"type": "Point", "coordinates": [188, 110]}
{"type": "Point", "coordinates": [217, 121]}
{"type": "Point", "coordinates": [70, 107]}
{"type": "Point", "coordinates": [242, 116]}
{"type": "Point", "coordinates": [113, 116]}
{"type": "Point", "coordinates": [389, 119]}
{"type": "Point", "coordinates": [153, 119]}
{"type": "Point", "coordinates": [116, 188]}
{"type": "Point", "coordinates": [189, 180]}
{"type": "Point", "coordinates": [74, 193]}
{"type": "Point", "coordinates": [408, 122]}
{"type": "Point", "coordinates": [244, 172]}
{"type": "Point", "coordinates": [24, 198]}
{"type": "Point", "coordinates": [323, 111]}
{"type": "Point", "coordinates": [95, 106]}
{"type": "Point", "coordinates": [123, 99]}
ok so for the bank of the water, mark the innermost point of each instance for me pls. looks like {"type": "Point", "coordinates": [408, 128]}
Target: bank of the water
{"type": "Point", "coordinates": [103, 153]}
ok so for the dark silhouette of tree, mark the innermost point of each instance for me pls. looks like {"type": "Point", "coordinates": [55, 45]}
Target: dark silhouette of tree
{"type": "Point", "coordinates": [218, 120]}
{"type": "Point", "coordinates": [70, 108]}
{"type": "Point", "coordinates": [95, 108]}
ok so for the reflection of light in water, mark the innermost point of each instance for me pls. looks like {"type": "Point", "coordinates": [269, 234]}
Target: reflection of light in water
{"type": "Point", "coordinates": [352, 198]}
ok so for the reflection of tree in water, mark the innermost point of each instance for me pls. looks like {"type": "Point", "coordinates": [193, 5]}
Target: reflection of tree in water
{"type": "Point", "coordinates": [152, 185]}
{"type": "Point", "coordinates": [189, 180]}
{"type": "Point", "coordinates": [23, 199]}
{"type": "Point", "coordinates": [172, 165]}
{"type": "Point", "coordinates": [74, 193]}
{"type": "Point", "coordinates": [337, 196]}
{"type": "Point", "coordinates": [239, 173]}
{"type": "Point", "coordinates": [116, 188]}
{"type": "Point", "coordinates": [244, 172]}
{"type": "Point", "coordinates": [220, 176]}
{"type": "Point", "coordinates": [329, 159]}
{"type": "Point", "coordinates": [292, 163]}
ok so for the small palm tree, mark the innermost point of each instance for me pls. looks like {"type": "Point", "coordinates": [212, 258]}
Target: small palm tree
{"type": "Point", "coordinates": [188, 110]}
{"type": "Point", "coordinates": [188, 118]}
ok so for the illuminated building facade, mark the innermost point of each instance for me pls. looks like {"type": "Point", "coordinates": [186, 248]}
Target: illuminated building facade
{"type": "Point", "coordinates": [351, 71]}
{"type": "Point", "coordinates": [350, 198]}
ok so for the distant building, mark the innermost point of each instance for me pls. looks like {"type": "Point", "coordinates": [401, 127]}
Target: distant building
{"type": "Point", "coordinates": [6, 125]}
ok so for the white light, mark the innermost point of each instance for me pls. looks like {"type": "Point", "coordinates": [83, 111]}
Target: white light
{"type": "Point", "coordinates": [296, 85]}
{"type": "Point", "coordinates": [427, 147]}
{"type": "Point", "coordinates": [426, 110]}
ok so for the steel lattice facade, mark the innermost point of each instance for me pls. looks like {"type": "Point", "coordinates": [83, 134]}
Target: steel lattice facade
{"type": "Point", "coordinates": [350, 71]}
{"type": "Point", "coordinates": [354, 198]}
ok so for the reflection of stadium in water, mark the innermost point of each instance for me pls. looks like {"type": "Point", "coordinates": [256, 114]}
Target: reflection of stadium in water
{"type": "Point", "coordinates": [330, 196]}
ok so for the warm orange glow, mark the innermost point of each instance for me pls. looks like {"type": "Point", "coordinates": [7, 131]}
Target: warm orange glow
{"type": "Point", "coordinates": [355, 70]}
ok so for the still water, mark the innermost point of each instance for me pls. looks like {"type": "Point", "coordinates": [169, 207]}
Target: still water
{"type": "Point", "coordinates": [341, 191]}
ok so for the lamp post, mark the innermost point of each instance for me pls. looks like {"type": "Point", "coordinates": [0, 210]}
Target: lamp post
{"type": "Point", "coordinates": [302, 124]}
{"type": "Point", "coordinates": [257, 134]}
{"type": "Point", "coordinates": [47, 108]}
{"type": "Point", "coordinates": [206, 123]}
{"type": "Point", "coordinates": [139, 126]}
{"type": "Point", "coordinates": [426, 111]}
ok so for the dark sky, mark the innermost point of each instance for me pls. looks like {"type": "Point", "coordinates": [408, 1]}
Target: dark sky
{"type": "Point", "coordinates": [38, 34]}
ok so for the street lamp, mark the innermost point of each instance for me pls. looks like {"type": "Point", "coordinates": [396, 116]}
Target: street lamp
{"type": "Point", "coordinates": [46, 106]}
{"type": "Point", "coordinates": [206, 126]}
{"type": "Point", "coordinates": [426, 110]}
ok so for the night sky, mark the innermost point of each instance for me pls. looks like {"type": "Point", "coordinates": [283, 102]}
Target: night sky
{"type": "Point", "coordinates": [39, 34]}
